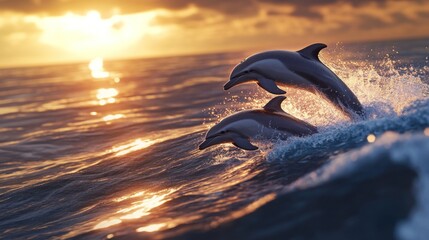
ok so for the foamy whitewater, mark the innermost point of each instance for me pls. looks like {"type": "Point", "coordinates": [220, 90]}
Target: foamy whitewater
{"type": "Point", "coordinates": [110, 151]}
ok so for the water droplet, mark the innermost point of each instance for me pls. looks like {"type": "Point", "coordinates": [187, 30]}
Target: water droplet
{"type": "Point", "coordinates": [371, 138]}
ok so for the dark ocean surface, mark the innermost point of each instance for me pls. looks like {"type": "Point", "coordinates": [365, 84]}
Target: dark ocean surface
{"type": "Point", "coordinates": [93, 152]}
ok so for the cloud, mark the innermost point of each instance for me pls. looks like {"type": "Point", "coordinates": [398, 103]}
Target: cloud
{"type": "Point", "coordinates": [423, 14]}
{"type": "Point", "coordinates": [16, 30]}
{"type": "Point", "coordinates": [304, 8]}
{"type": "Point", "coordinates": [18, 43]}
{"type": "Point", "coordinates": [367, 21]}
{"type": "Point", "coordinates": [106, 7]}
{"type": "Point", "coordinates": [191, 20]}
{"type": "Point", "coordinates": [309, 8]}
{"type": "Point", "coordinates": [190, 26]}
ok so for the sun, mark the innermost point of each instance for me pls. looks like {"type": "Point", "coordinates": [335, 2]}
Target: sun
{"type": "Point", "coordinates": [93, 15]}
{"type": "Point", "coordinates": [88, 35]}
{"type": "Point", "coordinates": [79, 32]}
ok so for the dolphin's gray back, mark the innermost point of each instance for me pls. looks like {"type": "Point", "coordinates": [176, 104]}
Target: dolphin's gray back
{"type": "Point", "coordinates": [283, 121]}
{"type": "Point", "coordinates": [327, 82]}
{"type": "Point", "coordinates": [332, 87]}
{"type": "Point", "coordinates": [279, 121]}
{"type": "Point", "coordinates": [301, 69]}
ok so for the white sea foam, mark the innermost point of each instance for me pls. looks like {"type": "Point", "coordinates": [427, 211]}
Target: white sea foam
{"type": "Point", "coordinates": [345, 136]}
{"type": "Point", "coordinates": [384, 88]}
{"type": "Point", "coordinates": [398, 113]}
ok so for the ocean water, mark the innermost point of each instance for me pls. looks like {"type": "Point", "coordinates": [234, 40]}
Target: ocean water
{"type": "Point", "coordinates": [93, 151]}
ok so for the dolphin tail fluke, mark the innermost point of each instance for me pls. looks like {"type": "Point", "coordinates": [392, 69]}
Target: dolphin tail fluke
{"type": "Point", "coordinates": [270, 86]}
{"type": "Point", "coordinates": [312, 51]}
{"type": "Point", "coordinates": [243, 143]}
{"type": "Point", "coordinates": [347, 102]}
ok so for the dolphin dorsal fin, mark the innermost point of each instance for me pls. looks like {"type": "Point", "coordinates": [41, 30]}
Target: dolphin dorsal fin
{"type": "Point", "coordinates": [275, 104]}
{"type": "Point", "coordinates": [312, 51]}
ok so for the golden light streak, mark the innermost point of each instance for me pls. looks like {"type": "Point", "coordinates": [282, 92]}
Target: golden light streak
{"type": "Point", "coordinates": [137, 209]}
{"type": "Point", "coordinates": [167, 225]}
{"type": "Point", "coordinates": [108, 223]}
{"type": "Point", "coordinates": [246, 210]}
{"type": "Point", "coordinates": [253, 206]}
{"type": "Point", "coordinates": [134, 195]}
{"type": "Point", "coordinates": [112, 117]}
{"type": "Point", "coordinates": [151, 228]}
{"type": "Point", "coordinates": [142, 208]}
{"type": "Point", "coordinates": [131, 147]}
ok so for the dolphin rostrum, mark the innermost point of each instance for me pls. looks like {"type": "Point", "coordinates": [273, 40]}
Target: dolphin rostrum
{"type": "Point", "coordinates": [301, 69]}
{"type": "Point", "coordinates": [266, 123]}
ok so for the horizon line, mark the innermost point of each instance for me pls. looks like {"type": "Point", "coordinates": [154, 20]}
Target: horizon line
{"type": "Point", "coordinates": [196, 53]}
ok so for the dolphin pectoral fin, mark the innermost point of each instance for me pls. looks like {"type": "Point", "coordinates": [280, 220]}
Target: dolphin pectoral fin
{"type": "Point", "coordinates": [236, 139]}
{"type": "Point", "coordinates": [270, 86]}
{"type": "Point", "coordinates": [229, 85]}
{"type": "Point", "coordinates": [243, 143]}
{"type": "Point", "coordinates": [312, 51]}
{"type": "Point", "coordinates": [207, 143]}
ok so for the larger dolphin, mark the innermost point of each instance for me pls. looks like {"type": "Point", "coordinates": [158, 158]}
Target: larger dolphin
{"type": "Point", "coordinates": [301, 69]}
{"type": "Point", "coordinates": [266, 123]}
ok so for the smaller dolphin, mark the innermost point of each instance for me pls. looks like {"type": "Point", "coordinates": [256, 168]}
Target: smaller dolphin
{"type": "Point", "coordinates": [269, 122]}
{"type": "Point", "coordinates": [301, 69]}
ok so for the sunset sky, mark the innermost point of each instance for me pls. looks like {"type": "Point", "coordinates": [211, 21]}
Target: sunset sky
{"type": "Point", "coordinates": [34, 32]}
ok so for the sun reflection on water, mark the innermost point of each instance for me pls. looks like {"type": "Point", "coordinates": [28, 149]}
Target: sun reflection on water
{"type": "Point", "coordinates": [138, 209]}
{"type": "Point", "coordinates": [126, 197]}
{"type": "Point", "coordinates": [171, 223]}
{"type": "Point", "coordinates": [131, 147]}
{"type": "Point", "coordinates": [96, 66]}
{"type": "Point", "coordinates": [143, 207]}
{"type": "Point", "coordinates": [106, 95]}
{"type": "Point", "coordinates": [107, 223]}
{"type": "Point", "coordinates": [151, 228]}
{"type": "Point", "coordinates": [111, 117]}
{"type": "Point", "coordinates": [248, 209]}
